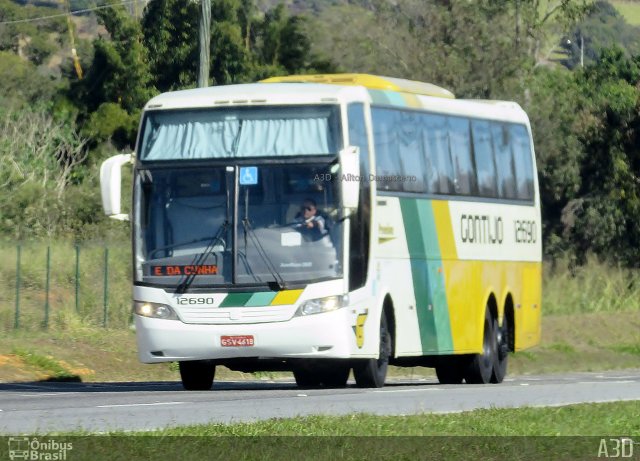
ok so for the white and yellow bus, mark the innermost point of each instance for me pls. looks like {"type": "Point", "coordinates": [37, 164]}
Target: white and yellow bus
{"type": "Point", "coordinates": [329, 223]}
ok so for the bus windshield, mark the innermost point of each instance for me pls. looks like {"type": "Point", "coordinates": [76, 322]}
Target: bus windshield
{"type": "Point", "coordinates": [285, 223]}
{"type": "Point", "coordinates": [240, 132]}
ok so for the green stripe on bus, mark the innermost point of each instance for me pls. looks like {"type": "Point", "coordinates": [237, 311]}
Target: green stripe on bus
{"type": "Point", "coordinates": [236, 299]}
{"type": "Point", "coordinates": [261, 299]}
{"type": "Point", "coordinates": [379, 97]}
{"type": "Point", "coordinates": [387, 98]}
{"type": "Point", "coordinates": [427, 273]}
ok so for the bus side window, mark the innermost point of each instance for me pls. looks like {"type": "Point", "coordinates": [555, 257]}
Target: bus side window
{"type": "Point", "coordinates": [504, 160]}
{"type": "Point", "coordinates": [523, 161]}
{"type": "Point", "coordinates": [411, 152]}
{"type": "Point", "coordinates": [483, 153]}
{"type": "Point", "coordinates": [385, 133]}
{"type": "Point", "coordinates": [460, 147]}
{"type": "Point", "coordinates": [435, 138]}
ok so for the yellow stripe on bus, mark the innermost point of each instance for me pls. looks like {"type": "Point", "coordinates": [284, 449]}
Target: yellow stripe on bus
{"type": "Point", "coordinates": [446, 239]}
{"type": "Point", "coordinates": [286, 297]}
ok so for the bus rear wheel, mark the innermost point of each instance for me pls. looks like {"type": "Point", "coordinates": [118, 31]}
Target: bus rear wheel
{"type": "Point", "coordinates": [197, 375]}
{"type": "Point", "coordinates": [480, 368]}
{"type": "Point", "coordinates": [502, 350]}
{"type": "Point", "coordinates": [373, 372]}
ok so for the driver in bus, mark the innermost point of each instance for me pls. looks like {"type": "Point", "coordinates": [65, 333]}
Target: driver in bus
{"type": "Point", "coordinates": [310, 220]}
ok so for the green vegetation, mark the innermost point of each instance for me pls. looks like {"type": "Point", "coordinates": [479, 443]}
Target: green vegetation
{"type": "Point", "coordinates": [52, 368]}
{"type": "Point", "coordinates": [585, 122]}
{"type": "Point", "coordinates": [587, 419]}
{"type": "Point", "coordinates": [633, 349]}
{"type": "Point", "coordinates": [629, 9]}
{"type": "Point", "coordinates": [604, 27]}
{"type": "Point", "coordinates": [552, 433]}
{"type": "Point", "coordinates": [594, 287]}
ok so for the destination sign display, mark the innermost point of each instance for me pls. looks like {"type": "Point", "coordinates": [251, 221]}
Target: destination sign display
{"type": "Point", "coordinates": [192, 269]}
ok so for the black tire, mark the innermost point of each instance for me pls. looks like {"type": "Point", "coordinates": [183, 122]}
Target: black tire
{"type": "Point", "coordinates": [329, 374]}
{"type": "Point", "coordinates": [451, 370]}
{"type": "Point", "coordinates": [480, 367]}
{"type": "Point", "coordinates": [197, 375]}
{"type": "Point", "coordinates": [502, 350]}
{"type": "Point", "coordinates": [336, 377]}
{"type": "Point", "coordinates": [306, 378]}
{"type": "Point", "coordinates": [373, 372]}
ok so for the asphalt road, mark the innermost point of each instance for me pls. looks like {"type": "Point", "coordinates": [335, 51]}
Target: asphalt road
{"type": "Point", "coordinates": [27, 408]}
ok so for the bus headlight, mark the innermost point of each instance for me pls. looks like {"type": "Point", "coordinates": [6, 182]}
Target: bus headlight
{"type": "Point", "coordinates": [319, 305]}
{"type": "Point", "coordinates": [154, 310]}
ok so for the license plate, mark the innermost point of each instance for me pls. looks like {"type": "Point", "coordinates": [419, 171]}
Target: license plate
{"type": "Point", "coordinates": [237, 341]}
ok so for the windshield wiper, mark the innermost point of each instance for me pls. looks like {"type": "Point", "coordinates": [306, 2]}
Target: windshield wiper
{"type": "Point", "coordinates": [278, 283]}
{"type": "Point", "coordinates": [188, 280]}
{"type": "Point", "coordinates": [202, 257]}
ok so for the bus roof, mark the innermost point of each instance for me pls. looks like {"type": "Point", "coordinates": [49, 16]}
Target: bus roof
{"type": "Point", "coordinates": [254, 94]}
{"type": "Point", "coordinates": [312, 90]}
{"type": "Point", "coordinates": [373, 82]}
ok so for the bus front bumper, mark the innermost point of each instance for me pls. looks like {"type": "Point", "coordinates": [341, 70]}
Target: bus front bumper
{"type": "Point", "coordinates": [326, 335]}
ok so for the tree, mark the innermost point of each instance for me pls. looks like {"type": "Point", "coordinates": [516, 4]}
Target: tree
{"type": "Point", "coordinates": [21, 83]}
{"type": "Point", "coordinates": [244, 47]}
{"type": "Point", "coordinates": [120, 76]}
{"type": "Point", "coordinates": [607, 215]}
{"type": "Point", "coordinates": [554, 101]}
{"type": "Point", "coordinates": [170, 30]}
{"type": "Point", "coordinates": [450, 43]}
{"type": "Point", "coordinates": [602, 28]}
{"type": "Point", "coordinates": [120, 70]}
{"type": "Point", "coordinates": [40, 156]}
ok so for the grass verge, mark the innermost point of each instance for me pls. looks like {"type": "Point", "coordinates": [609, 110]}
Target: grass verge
{"type": "Point", "coordinates": [615, 418]}
{"type": "Point", "coordinates": [494, 434]}
{"type": "Point", "coordinates": [52, 369]}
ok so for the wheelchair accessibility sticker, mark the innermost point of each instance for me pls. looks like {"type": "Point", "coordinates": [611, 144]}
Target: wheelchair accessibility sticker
{"type": "Point", "coordinates": [248, 175]}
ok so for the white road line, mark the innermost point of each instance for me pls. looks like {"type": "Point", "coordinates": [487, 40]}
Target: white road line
{"type": "Point", "coordinates": [140, 404]}
{"type": "Point", "coordinates": [49, 394]}
{"type": "Point", "coordinates": [408, 390]}
{"type": "Point", "coordinates": [608, 382]}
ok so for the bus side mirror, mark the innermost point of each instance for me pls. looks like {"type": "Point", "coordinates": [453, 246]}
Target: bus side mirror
{"type": "Point", "coordinates": [111, 185]}
{"type": "Point", "coordinates": [350, 176]}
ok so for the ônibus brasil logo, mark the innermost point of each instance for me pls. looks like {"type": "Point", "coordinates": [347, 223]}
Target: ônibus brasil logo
{"type": "Point", "coordinates": [34, 449]}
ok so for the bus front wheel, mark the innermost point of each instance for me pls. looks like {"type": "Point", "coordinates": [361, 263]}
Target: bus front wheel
{"type": "Point", "coordinates": [373, 372]}
{"type": "Point", "coordinates": [480, 367]}
{"type": "Point", "coordinates": [197, 375]}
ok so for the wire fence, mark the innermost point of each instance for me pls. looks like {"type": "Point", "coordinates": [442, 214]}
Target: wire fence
{"type": "Point", "coordinates": [44, 286]}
